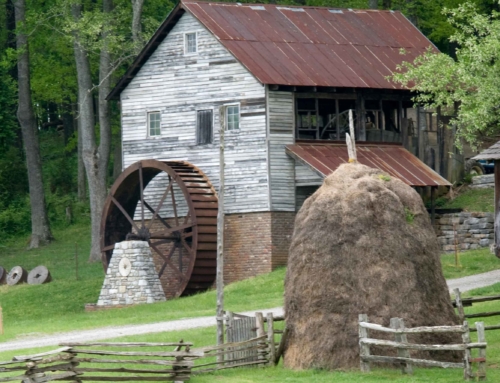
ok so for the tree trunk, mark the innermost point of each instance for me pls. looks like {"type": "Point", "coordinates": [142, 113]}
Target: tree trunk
{"type": "Point", "coordinates": [117, 158]}
{"type": "Point", "coordinates": [40, 229]}
{"type": "Point", "coordinates": [387, 4]}
{"type": "Point", "coordinates": [93, 157]}
{"type": "Point", "coordinates": [82, 184]}
{"type": "Point", "coordinates": [373, 4]}
{"type": "Point", "coordinates": [136, 24]}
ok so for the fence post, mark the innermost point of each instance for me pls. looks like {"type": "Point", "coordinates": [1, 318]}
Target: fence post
{"type": "Point", "coordinates": [481, 372]}
{"type": "Point", "coordinates": [458, 303]}
{"type": "Point", "coordinates": [270, 338]}
{"type": "Point", "coordinates": [466, 341]}
{"type": "Point", "coordinates": [364, 349]}
{"type": "Point", "coordinates": [261, 332]}
{"type": "Point", "coordinates": [398, 324]}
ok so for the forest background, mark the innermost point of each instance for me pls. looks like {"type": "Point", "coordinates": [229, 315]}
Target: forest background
{"type": "Point", "coordinates": [55, 31]}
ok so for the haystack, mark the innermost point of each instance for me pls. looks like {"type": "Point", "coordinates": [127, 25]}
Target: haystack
{"type": "Point", "coordinates": [363, 243]}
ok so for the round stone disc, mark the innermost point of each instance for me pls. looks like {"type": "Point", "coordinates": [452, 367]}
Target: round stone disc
{"type": "Point", "coordinates": [124, 267]}
{"type": "Point", "coordinates": [3, 276]}
{"type": "Point", "coordinates": [39, 275]}
{"type": "Point", "coordinates": [17, 276]}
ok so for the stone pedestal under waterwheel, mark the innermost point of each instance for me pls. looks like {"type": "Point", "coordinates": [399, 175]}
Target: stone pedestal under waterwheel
{"type": "Point", "coordinates": [362, 244]}
{"type": "Point", "coordinates": [172, 206]}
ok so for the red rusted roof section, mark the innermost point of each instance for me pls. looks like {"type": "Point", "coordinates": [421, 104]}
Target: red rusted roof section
{"type": "Point", "coordinates": [313, 46]}
{"type": "Point", "coordinates": [393, 159]}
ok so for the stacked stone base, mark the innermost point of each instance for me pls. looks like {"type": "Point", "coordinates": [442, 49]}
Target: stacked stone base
{"type": "Point", "coordinates": [140, 285]}
{"type": "Point", "coordinates": [483, 182]}
{"type": "Point", "coordinates": [467, 231]}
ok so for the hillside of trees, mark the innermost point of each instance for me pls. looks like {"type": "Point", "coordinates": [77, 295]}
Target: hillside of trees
{"type": "Point", "coordinates": [58, 61]}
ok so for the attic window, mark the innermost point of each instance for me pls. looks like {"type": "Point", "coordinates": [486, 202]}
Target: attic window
{"type": "Point", "coordinates": [190, 43]}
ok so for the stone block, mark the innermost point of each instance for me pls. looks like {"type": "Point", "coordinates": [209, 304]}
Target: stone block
{"type": "Point", "coordinates": [484, 242]}
{"type": "Point", "coordinates": [474, 246]}
{"type": "Point", "coordinates": [471, 221]}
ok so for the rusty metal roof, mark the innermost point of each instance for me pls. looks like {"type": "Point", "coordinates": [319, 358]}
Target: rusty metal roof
{"type": "Point", "coordinates": [492, 153]}
{"type": "Point", "coordinates": [324, 158]}
{"type": "Point", "coordinates": [302, 46]}
{"type": "Point", "coordinates": [313, 46]}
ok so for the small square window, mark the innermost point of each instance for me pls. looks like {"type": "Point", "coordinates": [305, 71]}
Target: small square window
{"type": "Point", "coordinates": [190, 43]}
{"type": "Point", "coordinates": [204, 127]}
{"type": "Point", "coordinates": [233, 117]}
{"type": "Point", "coordinates": [154, 124]}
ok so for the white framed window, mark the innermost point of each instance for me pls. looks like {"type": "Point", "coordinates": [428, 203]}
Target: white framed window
{"type": "Point", "coordinates": [190, 43]}
{"type": "Point", "coordinates": [154, 128]}
{"type": "Point", "coordinates": [232, 117]}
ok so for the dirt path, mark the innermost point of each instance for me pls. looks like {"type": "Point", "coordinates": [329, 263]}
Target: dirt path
{"type": "Point", "coordinates": [464, 284]}
{"type": "Point", "coordinates": [475, 281]}
{"type": "Point", "coordinates": [117, 331]}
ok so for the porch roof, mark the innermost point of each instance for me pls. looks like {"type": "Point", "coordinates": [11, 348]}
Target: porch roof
{"type": "Point", "coordinates": [324, 157]}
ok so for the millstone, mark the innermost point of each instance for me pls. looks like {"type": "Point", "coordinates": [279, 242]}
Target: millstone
{"type": "Point", "coordinates": [3, 276]}
{"type": "Point", "coordinates": [17, 276]}
{"type": "Point", "coordinates": [39, 275]}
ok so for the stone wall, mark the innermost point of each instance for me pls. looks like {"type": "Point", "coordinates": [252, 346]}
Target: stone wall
{"type": "Point", "coordinates": [483, 182]}
{"type": "Point", "coordinates": [472, 230]}
{"type": "Point", "coordinates": [131, 276]}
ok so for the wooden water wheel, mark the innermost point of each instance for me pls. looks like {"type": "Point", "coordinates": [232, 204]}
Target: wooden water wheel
{"type": "Point", "coordinates": [173, 206]}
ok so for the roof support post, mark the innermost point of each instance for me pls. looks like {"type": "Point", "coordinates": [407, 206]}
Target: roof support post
{"type": "Point", "coordinates": [497, 208]}
{"type": "Point", "coordinates": [433, 204]}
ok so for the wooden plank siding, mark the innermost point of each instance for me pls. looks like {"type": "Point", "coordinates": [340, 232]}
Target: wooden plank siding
{"type": "Point", "coordinates": [177, 86]}
{"type": "Point", "coordinates": [281, 114]}
{"type": "Point", "coordinates": [304, 176]}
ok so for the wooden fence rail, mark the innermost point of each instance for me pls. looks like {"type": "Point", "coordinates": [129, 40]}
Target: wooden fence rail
{"type": "Point", "coordinates": [403, 347]}
{"type": "Point", "coordinates": [78, 362]}
{"type": "Point", "coordinates": [460, 303]}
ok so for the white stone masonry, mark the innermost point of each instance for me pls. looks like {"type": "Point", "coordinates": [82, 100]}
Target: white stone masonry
{"type": "Point", "coordinates": [131, 277]}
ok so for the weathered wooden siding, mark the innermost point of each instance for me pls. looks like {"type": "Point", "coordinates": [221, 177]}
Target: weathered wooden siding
{"type": "Point", "coordinates": [178, 85]}
{"type": "Point", "coordinates": [304, 176]}
{"type": "Point", "coordinates": [281, 116]}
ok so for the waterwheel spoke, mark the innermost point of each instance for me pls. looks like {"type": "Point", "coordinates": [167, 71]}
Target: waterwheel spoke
{"type": "Point", "coordinates": [174, 205]}
{"type": "Point", "coordinates": [141, 187]}
{"type": "Point", "coordinates": [167, 260]}
{"type": "Point", "coordinates": [184, 243]}
{"type": "Point", "coordinates": [119, 206]}
{"type": "Point", "coordinates": [162, 241]}
{"type": "Point", "coordinates": [166, 233]}
{"type": "Point", "coordinates": [156, 212]}
{"type": "Point", "coordinates": [172, 251]}
{"type": "Point", "coordinates": [162, 220]}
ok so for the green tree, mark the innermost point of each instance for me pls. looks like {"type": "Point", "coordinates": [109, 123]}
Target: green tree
{"type": "Point", "coordinates": [471, 82]}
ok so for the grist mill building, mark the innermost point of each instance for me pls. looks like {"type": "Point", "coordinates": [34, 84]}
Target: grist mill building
{"type": "Point", "coordinates": [288, 76]}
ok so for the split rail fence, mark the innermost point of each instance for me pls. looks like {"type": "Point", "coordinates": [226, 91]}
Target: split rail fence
{"type": "Point", "coordinates": [403, 347]}
{"type": "Point", "coordinates": [78, 362]}
{"type": "Point", "coordinates": [460, 303]}
{"type": "Point", "coordinates": [142, 362]}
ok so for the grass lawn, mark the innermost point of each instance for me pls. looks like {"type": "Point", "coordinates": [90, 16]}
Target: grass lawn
{"type": "Point", "coordinates": [59, 305]}
{"type": "Point", "coordinates": [470, 262]}
{"type": "Point", "coordinates": [473, 200]}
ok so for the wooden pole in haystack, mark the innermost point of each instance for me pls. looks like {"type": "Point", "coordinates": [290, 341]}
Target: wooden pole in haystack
{"type": "Point", "coordinates": [220, 237]}
{"type": "Point", "coordinates": [1, 321]}
{"type": "Point", "coordinates": [350, 140]}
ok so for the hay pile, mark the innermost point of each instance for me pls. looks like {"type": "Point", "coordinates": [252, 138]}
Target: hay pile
{"type": "Point", "coordinates": [363, 243]}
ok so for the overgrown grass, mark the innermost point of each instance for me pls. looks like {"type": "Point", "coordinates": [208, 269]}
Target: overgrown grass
{"type": "Point", "coordinates": [471, 262]}
{"type": "Point", "coordinates": [473, 200]}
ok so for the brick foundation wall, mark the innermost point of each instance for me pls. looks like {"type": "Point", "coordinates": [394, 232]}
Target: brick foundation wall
{"type": "Point", "coordinates": [255, 243]}
{"type": "Point", "coordinates": [281, 230]}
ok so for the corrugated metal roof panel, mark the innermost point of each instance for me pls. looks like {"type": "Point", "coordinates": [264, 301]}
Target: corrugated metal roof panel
{"type": "Point", "coordinates": [324, 158]}
{"type": "Point", "coordinates": [313, 46]}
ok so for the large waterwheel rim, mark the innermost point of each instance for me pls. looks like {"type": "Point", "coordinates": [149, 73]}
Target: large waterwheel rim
{"type": "Point", "coordinates": [126, 191]}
